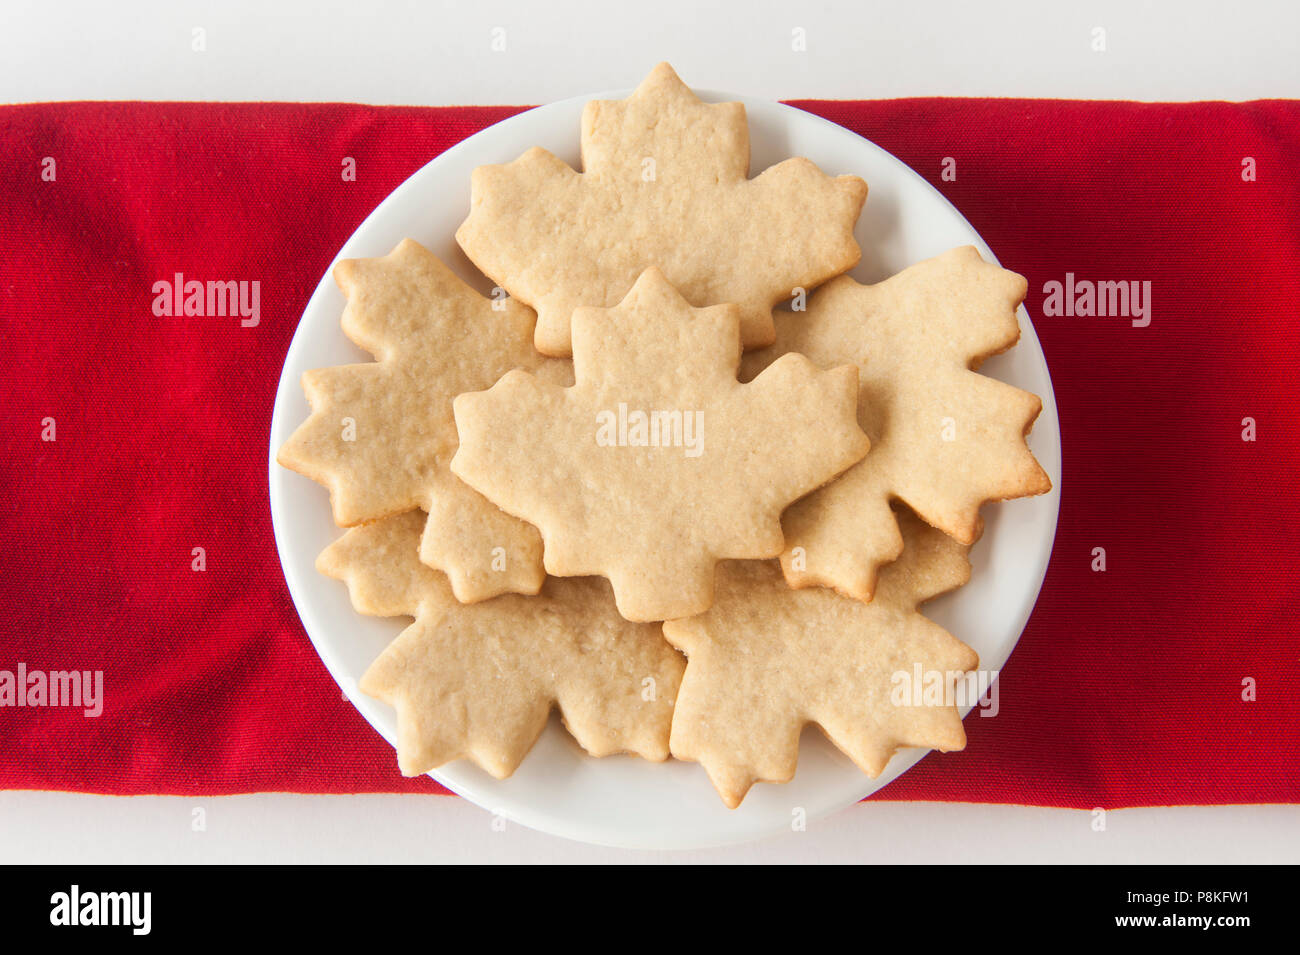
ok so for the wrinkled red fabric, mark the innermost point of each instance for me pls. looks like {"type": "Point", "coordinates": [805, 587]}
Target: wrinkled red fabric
{"type": "Point", "coordinates": [1127, 686]}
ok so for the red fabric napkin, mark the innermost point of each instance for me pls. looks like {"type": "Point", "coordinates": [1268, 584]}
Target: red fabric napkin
{"type": "Point", "coordinates": [1127, 687]}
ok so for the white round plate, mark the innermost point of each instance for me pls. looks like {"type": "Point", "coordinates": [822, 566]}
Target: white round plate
{"type": "Point", "coordinates": [622, 800]}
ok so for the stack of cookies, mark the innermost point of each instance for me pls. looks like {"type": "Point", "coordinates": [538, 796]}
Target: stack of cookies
{"type": "Point", "coordinates": [628, 488]}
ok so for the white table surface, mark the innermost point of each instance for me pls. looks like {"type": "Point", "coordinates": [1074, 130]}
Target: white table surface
{"type": "Point", "coordinates": [442, 53]}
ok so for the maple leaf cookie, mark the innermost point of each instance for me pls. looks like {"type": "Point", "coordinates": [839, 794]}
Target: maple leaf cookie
{"type": "Point", "coordinates": [479, 681]}
{"type": "Point", "coordinates": [381, 434]}
{"type": "Point", "coordinates": [658, 463]}
{"type": "Point", "coordinates": [944, 439]}
{"type": "Point", "coordinates": [663, 183]}
{"type": "Point", "coordinates": [379, 563]}
{"type": "Point", "coordinates": [765, 660]}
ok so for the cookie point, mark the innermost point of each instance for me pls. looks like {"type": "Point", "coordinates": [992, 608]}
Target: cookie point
{"type": "Point", "coordinates": [344, 273]}
{"type": "Point", "coordinates": [661, 76]}
{"type": "Point", "coordinates": [653, 274]}
{"type": "Point", "coordinates": [856, 187]}
{"type": "Point", "coordinates": [652, 278]}
{"type": "Point", "coordinates": [409, 248]}
{"type": "Point", "coordinates": [653, 284]}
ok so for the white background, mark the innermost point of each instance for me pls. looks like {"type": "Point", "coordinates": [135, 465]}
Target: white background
{"type": "Point", "coordinates": [441, 53]}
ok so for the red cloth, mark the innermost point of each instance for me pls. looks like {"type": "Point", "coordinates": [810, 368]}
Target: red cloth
{"type": "Point", "coordinates": [1126, 688]}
